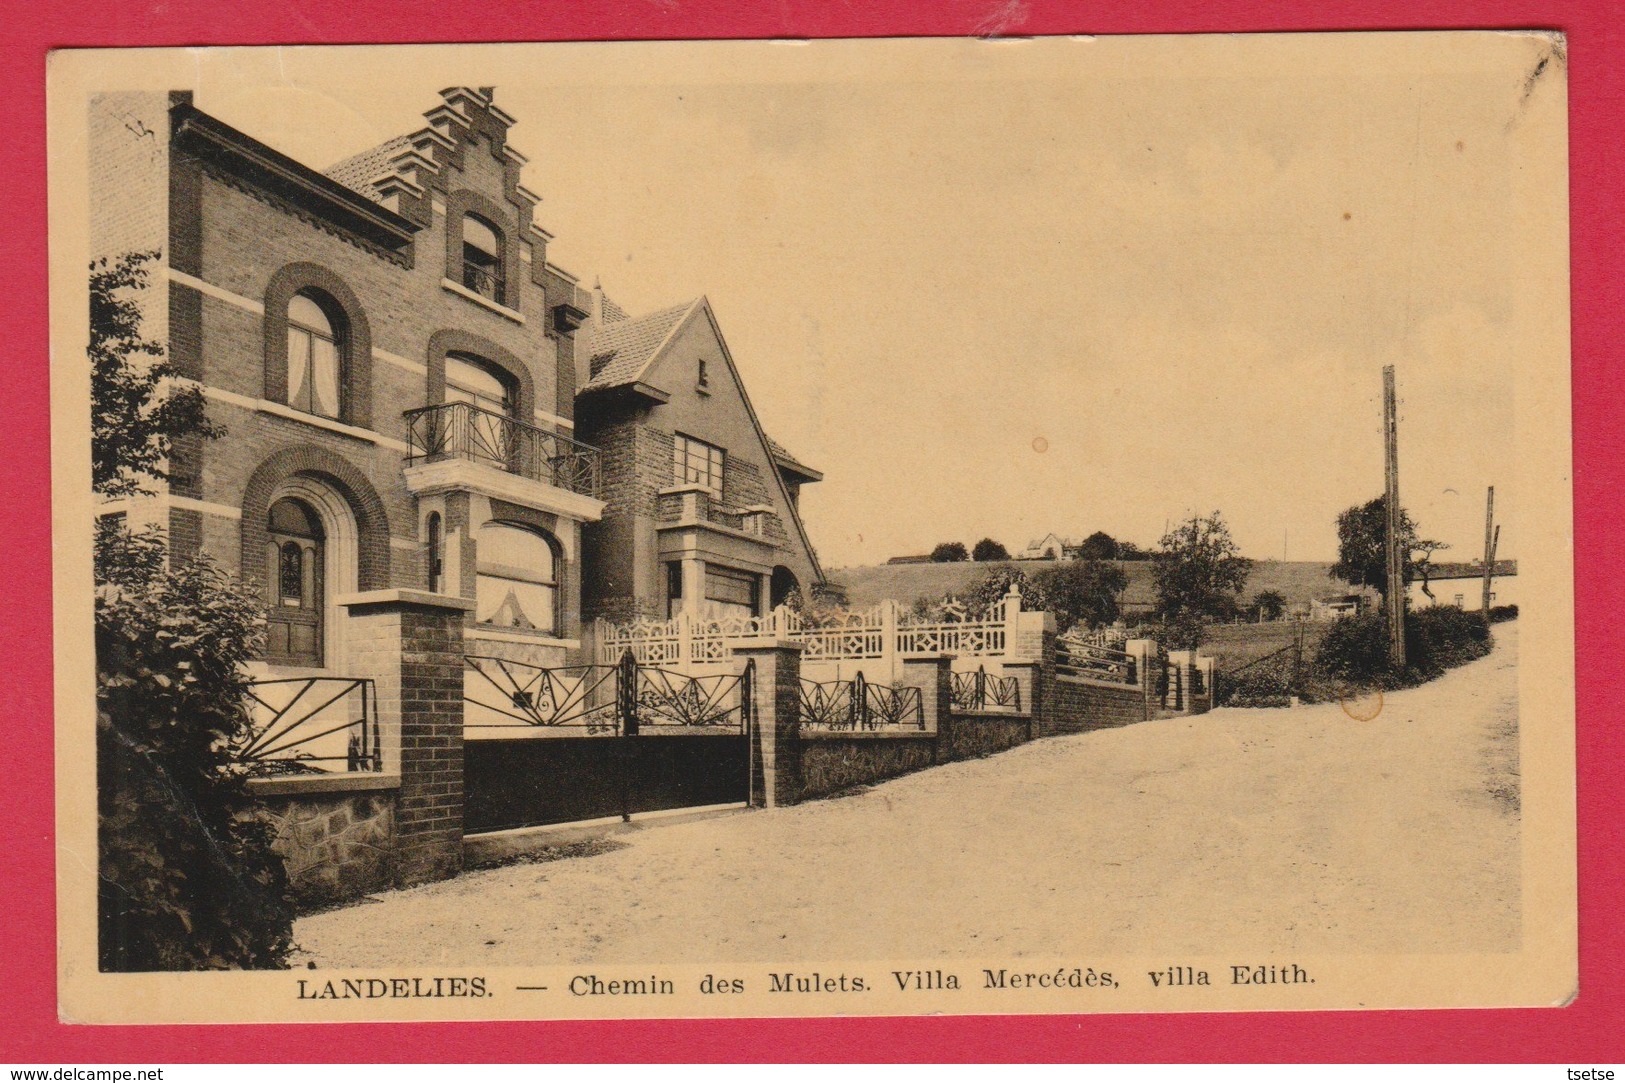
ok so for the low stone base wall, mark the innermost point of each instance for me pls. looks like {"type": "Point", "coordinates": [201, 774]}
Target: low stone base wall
{"type": "Point", "coordinates": [1075, 706]}
{"type": "Point", "coordinates": [831, 762]}
{"type": "Point", "coordinates": [338, 843]}
{"type": "Point", "coordinates": [970, 734]}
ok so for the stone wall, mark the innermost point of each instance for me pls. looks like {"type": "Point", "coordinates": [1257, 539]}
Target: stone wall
{"type": "Point", "coordinates": [337, 845]}
{"type": "Point", "coordinates": [966, 735]}
{"type": "Point", "coordinates": [831, 762]}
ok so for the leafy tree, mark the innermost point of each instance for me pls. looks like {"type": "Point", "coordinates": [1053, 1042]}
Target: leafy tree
{"type": "Point", "coordinates": [1362, 537]}
{"type": "Point", "coordinates": [1270, 604]}
{"type": "Point", "coordinates": [187, 876]}
{"type": "Point", "coordinates": [1098, 546]}
{"type": "Point", "coordinates": [949, 553]}
{"type": "Point", "coordinates": [1081, 593]}
{"type": "Point", "coordinates": [988, 549]}
{"type": "Point", "coordinates": [1198, 574]}
{"type": "Point", "coordinates": [133, 424]}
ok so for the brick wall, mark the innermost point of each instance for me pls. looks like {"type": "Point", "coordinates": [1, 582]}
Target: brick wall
{"type": "Point", "coordinates": [1075, 706]}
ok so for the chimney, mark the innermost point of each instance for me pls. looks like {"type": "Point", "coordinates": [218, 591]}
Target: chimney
{"type": "Point", "coordinates": [597, 300]}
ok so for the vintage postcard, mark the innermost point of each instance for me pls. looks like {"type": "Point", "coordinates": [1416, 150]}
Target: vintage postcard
{"type": "Point", "coordinates": [935, 526]}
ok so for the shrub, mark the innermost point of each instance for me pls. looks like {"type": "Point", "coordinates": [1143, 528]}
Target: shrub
{"type": "Point", "coordinates": [1442, 636]}
{"type": "Point", "coordinates": [1437, 638]}
{"type": "Point", "coordinates": [1355, 648]}
{"type": "Point", "coordinates": [1499, 613]}
{"type": "Point", "coordinates": [188, 880]}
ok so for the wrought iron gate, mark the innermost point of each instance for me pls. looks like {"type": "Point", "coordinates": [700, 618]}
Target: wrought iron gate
{"type": "Point", "coordinates": [556, 745]}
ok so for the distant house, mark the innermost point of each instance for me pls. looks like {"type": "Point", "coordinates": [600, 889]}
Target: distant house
{"type": "Point", "coordinates": [1342, 605]}
{"type": "Point", "coordinates": [1050, 547]}
{"type": "Point", "coordinates": [1462, 584]}
{"type": "Point", "coordinates": [921, 558]}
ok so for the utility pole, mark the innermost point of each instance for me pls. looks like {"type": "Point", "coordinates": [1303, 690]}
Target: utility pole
{"type": "Point", "coordinates": [1396, 559]}
{"type": "Point", "coordinates": [1490, 533]}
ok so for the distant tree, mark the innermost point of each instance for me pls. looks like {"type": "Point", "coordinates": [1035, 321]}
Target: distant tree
{"type": "Point", "coordinates": [988, 549]}
{"type": "Point", "coordinates": [1098, 546]}
{"type": "Point", "coordinates": [1362, 537]}
{"type": "Point", "coordinates": [949, 553]}
{"type": "Point", "coordinates": [132, 421]}
{"type": "Point", "coordinates": [1270, 604]}
{"type": "Point", "coordinates": [1198, 575]}
{"type": "Point", "coordinates": [1129, 551]}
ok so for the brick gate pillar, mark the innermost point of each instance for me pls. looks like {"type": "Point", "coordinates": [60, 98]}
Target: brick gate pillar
{"type": "Point", "coordinates": [1144, 653]}
{"type": "Point", "coordinates": [933, 675]}
{"type": "Point", "coordinates": [775, 690]}
{"type": "Point", "coordinates": [410, 643]}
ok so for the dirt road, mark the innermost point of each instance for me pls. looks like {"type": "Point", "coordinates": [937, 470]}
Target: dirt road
{"type": "Point", "coordinates": [1302, 829]}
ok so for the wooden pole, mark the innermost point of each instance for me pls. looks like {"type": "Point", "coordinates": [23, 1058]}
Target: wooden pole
{"type": "Point", "coordinates": [1396, 559]}
{"type": "Point", "coordinates": [1489, 549]}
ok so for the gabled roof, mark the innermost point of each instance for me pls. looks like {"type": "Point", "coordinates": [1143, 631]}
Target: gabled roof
{"type": "Point", "coordinates": [787, 461]}
{"type": "Point", "coordinates": [619, 352]}
{"type": "Point", "coordinates": [622, 350]}
{"type": "Point", "coordinates": [358, 171]}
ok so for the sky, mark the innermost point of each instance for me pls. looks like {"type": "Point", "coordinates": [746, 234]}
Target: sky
{"type": "Point", "coordinates": [1014, 287]}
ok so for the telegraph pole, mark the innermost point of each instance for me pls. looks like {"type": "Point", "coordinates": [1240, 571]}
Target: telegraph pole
{"type": "Point", "coordinates": [1489, 550]}
{"type": "Point", "coordinates": [1396, 559]}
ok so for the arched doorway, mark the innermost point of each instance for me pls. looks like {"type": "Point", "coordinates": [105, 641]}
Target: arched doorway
{"type": "Point", "coordinates": [296, 602]}
{"type": "Point", "coordinates": [783, 587]}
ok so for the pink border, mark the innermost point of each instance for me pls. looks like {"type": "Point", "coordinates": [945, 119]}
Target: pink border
{"type": "Point", "coordinates": [1587, 1030]}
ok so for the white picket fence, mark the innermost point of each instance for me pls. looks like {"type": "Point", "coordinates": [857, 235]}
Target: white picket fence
{"type": "Point", "coordinates": [872, 641]}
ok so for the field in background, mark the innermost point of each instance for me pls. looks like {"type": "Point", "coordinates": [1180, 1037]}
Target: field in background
{"type": "Point", "coordinates": [1299, 580]}
{"type": "Point", "coordinates": [1235, 645]}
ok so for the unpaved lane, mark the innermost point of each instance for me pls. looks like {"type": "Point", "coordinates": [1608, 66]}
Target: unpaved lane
{"type": "Point", "coordinates": [1241, 830]}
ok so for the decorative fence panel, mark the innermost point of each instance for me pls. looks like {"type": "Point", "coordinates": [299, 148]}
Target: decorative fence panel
{"type": "Point", "coordinates": [311, 725]}
{"type": "Point", "coordinates": [877, 638]}
{"type": "Point", "coordinates": [983, 691]}
{"type": "Point", "coordinates": [598, 700]}
{"type": "Point", "coordinates": [1082, 659]}
{"type": "Point", "coordinates": [858, 705]}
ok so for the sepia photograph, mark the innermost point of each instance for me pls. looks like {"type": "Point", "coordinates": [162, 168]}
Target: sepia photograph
{"type": "Point", "coordinates": [791, 528]}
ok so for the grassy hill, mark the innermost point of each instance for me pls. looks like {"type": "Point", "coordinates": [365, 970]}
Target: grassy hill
{"type": "Point", "coordinates": [1298, 580]}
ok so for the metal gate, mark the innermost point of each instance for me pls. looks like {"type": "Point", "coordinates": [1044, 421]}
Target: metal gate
{"type": "Point", "coordinates": [557, 745]}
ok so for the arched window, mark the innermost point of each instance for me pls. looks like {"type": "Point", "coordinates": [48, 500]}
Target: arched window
{"type": "Point", "coordinates": [435, 559]}
{"type": "Point", "coordinates": [315, 349]}
{"type": "Point", "coordinates": [294, 565]}
{"type": "Point", "coordinates": [517, 579]}
{"type": "Point", "coordinates": [482, 259]}
{"type": "Point", "coordinates": [475, 380]}
{"type": "Point", "coordinates": [490, 391]}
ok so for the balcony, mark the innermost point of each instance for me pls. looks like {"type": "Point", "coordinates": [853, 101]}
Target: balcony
{"type": "Point", "coordinates": [458, 445]}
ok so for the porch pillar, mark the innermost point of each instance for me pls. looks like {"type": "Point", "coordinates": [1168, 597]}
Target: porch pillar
{"type": "Point", "coordinates": [410, 644]}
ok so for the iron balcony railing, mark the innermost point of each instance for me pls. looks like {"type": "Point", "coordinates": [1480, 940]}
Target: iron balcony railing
{"type": "Point", "coordinates": [462, 430]}
{"type": "Point", "coordinates": [484, 281]}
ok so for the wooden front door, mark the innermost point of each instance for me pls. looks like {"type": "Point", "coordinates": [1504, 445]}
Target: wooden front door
{"type": "Point", "coordinates": [296, 597]}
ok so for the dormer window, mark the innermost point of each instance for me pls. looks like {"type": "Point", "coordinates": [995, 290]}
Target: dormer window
{"type": "Point", "coordinates": [313, 358]}
{"type": "Point", "coordinates": [482, 259]}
